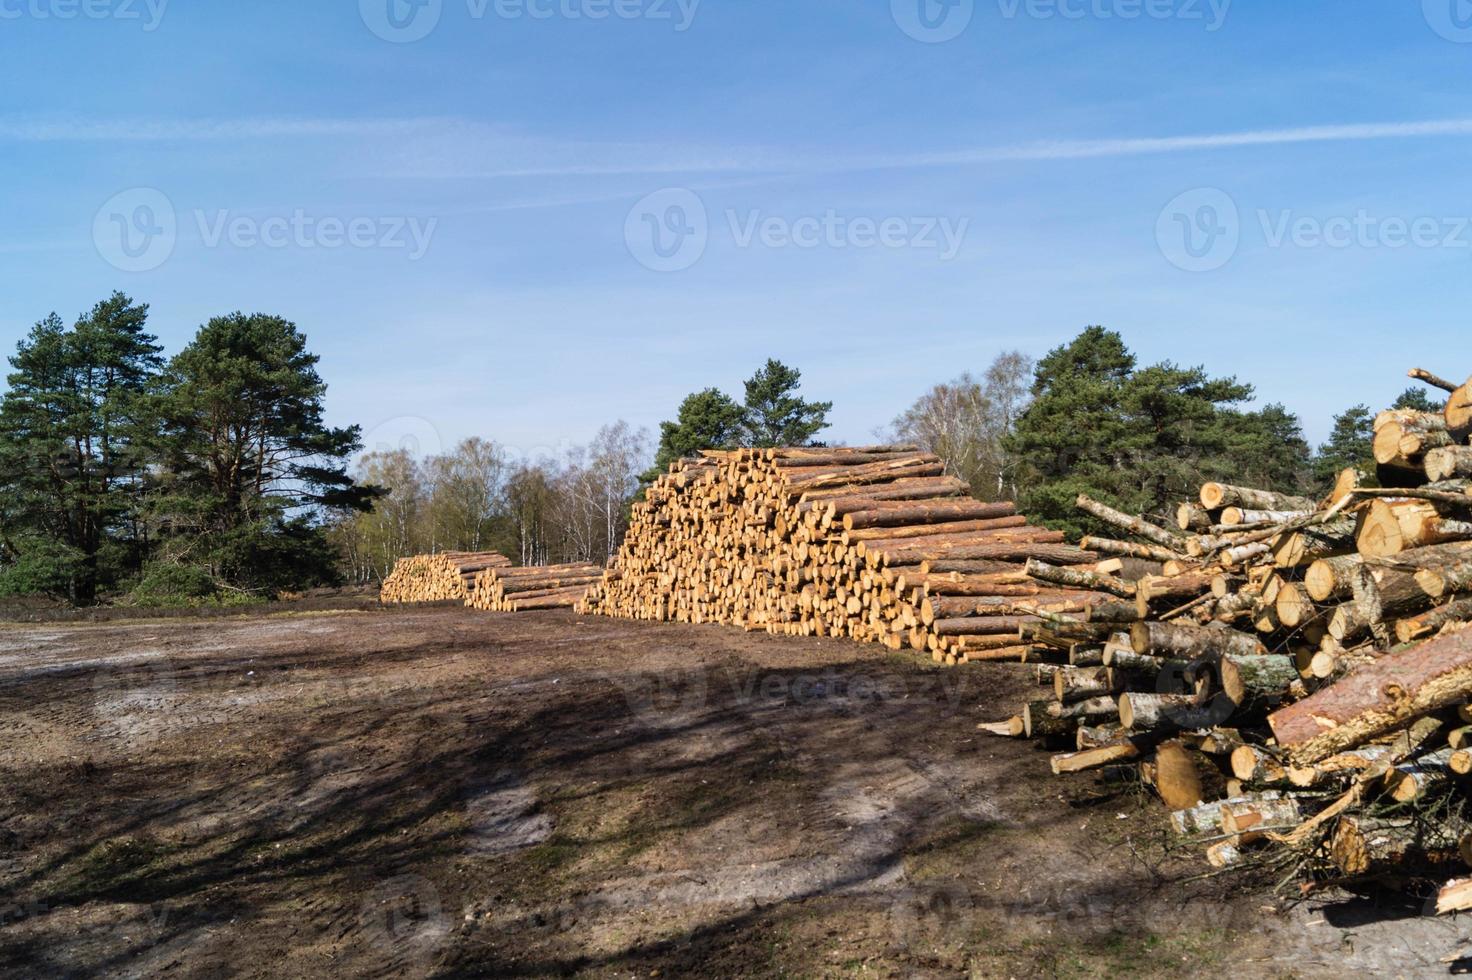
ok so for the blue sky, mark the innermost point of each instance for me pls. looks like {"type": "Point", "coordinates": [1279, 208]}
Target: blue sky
{"type": "Point", "coordinates": [543, 215]}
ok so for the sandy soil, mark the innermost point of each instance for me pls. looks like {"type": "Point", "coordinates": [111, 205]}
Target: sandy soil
{"type": "Point", "coordinates": [443, 793]}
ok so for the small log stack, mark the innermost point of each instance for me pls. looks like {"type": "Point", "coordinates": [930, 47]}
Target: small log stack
{"type": "Point", "coordinates": [445, 577]}
{"type": "Point", "coordinates": [502, 589]}
{"type": "Point", "coordinates": [1296, 673]}
{"type": "Point", "coordinates": [875, 544]}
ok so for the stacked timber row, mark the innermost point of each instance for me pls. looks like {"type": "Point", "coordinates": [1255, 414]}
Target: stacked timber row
{"type": "Point", "coordinates": [445, 577]}
{"type": "Point", "coordinates": [1296, 678]}
{"type": "Point", "coordinates": [533, 587]}
{"type": "Point", "coordinates": [874, 544]}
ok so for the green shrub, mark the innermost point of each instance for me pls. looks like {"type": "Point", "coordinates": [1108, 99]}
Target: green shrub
{"type": "Point", "coordinates": [170, 584]}
{"type": "Point", "coordinates": [43, 567]}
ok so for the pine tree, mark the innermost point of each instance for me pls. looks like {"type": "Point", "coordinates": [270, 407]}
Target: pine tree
{"type": "Point", "coordinates": [1350, 444]}
{"type": "Point", "coordinates": [74, 426]}
{"type": "Point", "coordinates": [250, 459]}
{"type": "Point", "coordinates": [775, 416]}
{"type": "Point", "coordinates": [706, 420]}
{"type": "Point", "coordinates": [1418, 398]}
{"type": "Point", "coordinates": [1140, 439]}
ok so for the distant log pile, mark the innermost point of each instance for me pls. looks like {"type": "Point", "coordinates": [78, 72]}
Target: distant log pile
{"type": "Point", "coordinates": [487, 581]}
{"type": "Point", "coordinates": [1297, 672]}
{"type": "Point", "coordinates": [445, 577]}
{"type": "Point", "coordinates": [874, 544]}
{"type": "Point", "coordinates": [503, 589]}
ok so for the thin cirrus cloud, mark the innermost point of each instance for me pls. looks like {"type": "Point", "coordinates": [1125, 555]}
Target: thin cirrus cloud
{"type": "Point", "coordinates": [455, 148]}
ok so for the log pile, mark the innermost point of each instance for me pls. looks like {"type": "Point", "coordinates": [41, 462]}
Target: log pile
{"type": "Point", "coordinates": [874, 544]}
{"type": "Point", "coordinates": [1295, 675]}
{"type": "Point", "coordinates": [445, 577]}
{"type": "Point", "coordinates": [501, 589]}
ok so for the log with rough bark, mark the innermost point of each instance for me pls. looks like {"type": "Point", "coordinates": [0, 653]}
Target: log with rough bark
{"type": "Point", "coordinates": [1404, 436]}
{"type": "Point", "coordinates": [1377, 699]}
{"type": "Point", "coordinates": [1458, 413]}
{"type": "Point", "coordinates": [1219, 496]}
{"type": "Point", "coordinates": [1134, 525]}
{"type": "Point", "coordinates": [1448, 463]}
{"type": "Point", "coordinates": [1388, 527]}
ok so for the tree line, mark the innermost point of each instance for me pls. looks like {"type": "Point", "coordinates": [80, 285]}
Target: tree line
{"type": "Point", "coordinates": [573, 508]}
{"type": "Point", "coordinates": [197, 476]}
{"type": "Point", "coordinates": [479, 497]}
{"type": "Point", "coordinates": [212, 475]}
{"type": "Point", "coordinates": [1089, 418]}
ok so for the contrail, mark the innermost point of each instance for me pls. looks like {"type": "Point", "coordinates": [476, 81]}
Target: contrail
{"type": "Point", "coordinates": [461, 148]}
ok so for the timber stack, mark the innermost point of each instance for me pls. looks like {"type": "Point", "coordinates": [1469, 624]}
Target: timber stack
{"type": "Point", "coordinates": [874, 544]}
{"type": "Point", "coordinates": [502, 589]}
{"type": "Point", "coordinates": [445, 577]}
{"type": "Point", "coordinates": [1294, 676]}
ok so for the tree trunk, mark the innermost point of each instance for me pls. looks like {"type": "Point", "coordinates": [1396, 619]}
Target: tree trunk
{"type": "Point", "coordinates": [1377, 698]}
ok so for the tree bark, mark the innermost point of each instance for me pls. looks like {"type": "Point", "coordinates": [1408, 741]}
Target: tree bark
{"type": "Point", "coordinates": [1134, 525]}
{"type": "Point", "coordinates": [1377, 699]}
{"type": "Point", "coordinates": [1218, 496]}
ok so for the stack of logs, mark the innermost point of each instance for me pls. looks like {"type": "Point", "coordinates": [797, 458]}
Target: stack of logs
{"type": "Point", "coordinates": [532, 587]}
{"type": "Point", "coordinates": [875, 544]}
{"type": "Point", "coordinates": [1295, 678]}
{"type": "Point", "coordinates": [445, 577]}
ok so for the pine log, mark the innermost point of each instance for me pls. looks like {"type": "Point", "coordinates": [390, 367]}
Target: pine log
{"type": "Point", "coordinates": [1134, 525]}
{"type": "Point", "coordinates": [1376, 699]}
{"type": "Point", "coordinates": [927, 512]}
{"type": "Point", "coordinates": [1146, 712]}
{"type": "Point", "coordinates": [1441, 582]}
{"type": "Point", "coordinates": [1218, 496]}
{"type": "Point", "coordinates": [1128, 549]}
{"type": "Point", "coordinates": [1094, 758]}
{"type": "Point", "coordinates": [1434, 380]}
{"type": "Point", "coordinates": [1191, 518]}
{"type": "Point", "coordinates": [1057, 554]}
{"type": "Point", "coordinates": [1177, 776]}
{"type": "Point", "coordinates": [931, 530]}
{"type": "Point", "coordinates": [1332, 578]}
{"type": "Point", "coordinates": [1192, 642]}
{"type": "Point", "coordinates": [1429, 623]}
{"type": "Point", "coordinates": [1078, 579]}
{"type": "Point", "coordinates": [1458, 413]}
{"type": "Point", "coordinates": [1389, 527]}
{"type": "Point", "coordinates": [1403, 436]}
{"type": "Point", "coordinates": [1312, 543]}
{"type": "Point", "coordinates": [1448, 462]}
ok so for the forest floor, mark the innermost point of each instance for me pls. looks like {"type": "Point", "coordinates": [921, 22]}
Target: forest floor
{"type": "Point", "coordinates": [437, 792]}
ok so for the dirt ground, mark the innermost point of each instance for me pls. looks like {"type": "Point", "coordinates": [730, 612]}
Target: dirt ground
{"type": "Point", "coordinates": [437, 792]}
